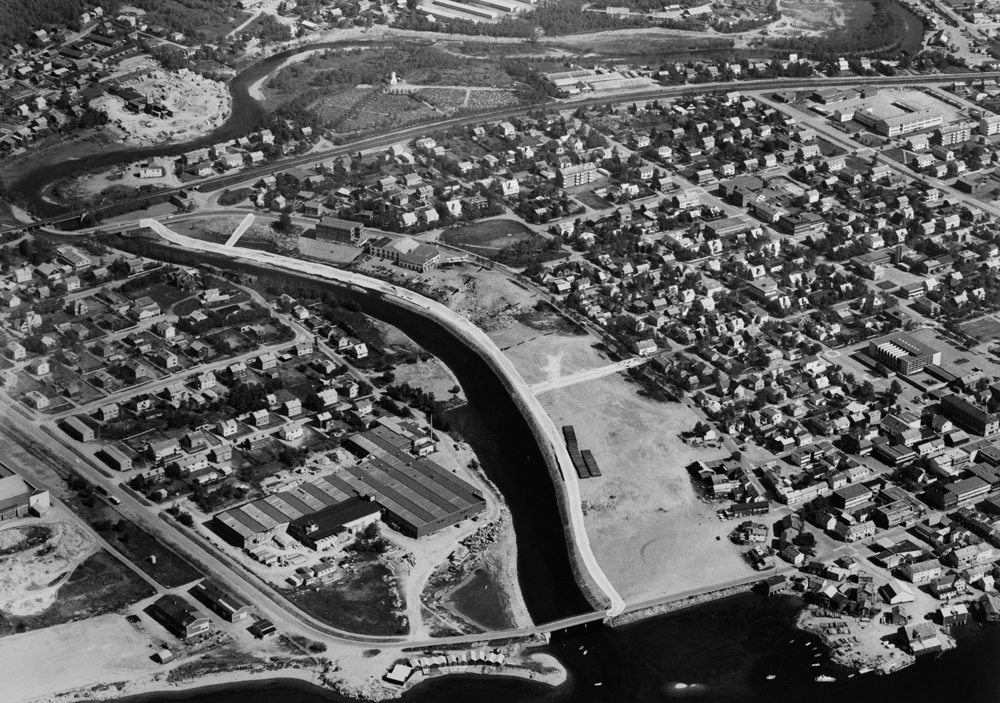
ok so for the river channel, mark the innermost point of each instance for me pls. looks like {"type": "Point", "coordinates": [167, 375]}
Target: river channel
{"type": "Point", "coordinates": [246, 115]}
{"type": "Point", "coordinates": [720, 651]}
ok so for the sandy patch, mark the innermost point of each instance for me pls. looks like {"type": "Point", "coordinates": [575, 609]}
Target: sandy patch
{"type": "Point", "coordinates": [30, 580]}
{"type": "Point", "coordinates": [257, 89]}
{"type": "Point", "coordinates": [545, 355]}
{"type": "Point", "coordinates": [97, 651]}
{"type": "Point", "coordinates": [651, 533]}
{"type": "Point", "coordinates": [199, 105]}
{"type": "Point", "coordinates": [431, 376]}
{"type": "Point", "coordinates": [809, 18]}
{"type": "Point", "coordinates": [92, 184]}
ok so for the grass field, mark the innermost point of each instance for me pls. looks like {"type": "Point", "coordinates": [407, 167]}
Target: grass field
{"type": "Point", "coordinates": [593, 201]}
{"type": "Point", "coordinates": [360, 602]}
{"type": "Point", "coordinates": [100, 584]}
{"type": "Point", "coordinates": [487, 236]}
{"type": "Point", "coordinates": [170, 570]}
{"type": "Point", "coordinates": [983, 329]}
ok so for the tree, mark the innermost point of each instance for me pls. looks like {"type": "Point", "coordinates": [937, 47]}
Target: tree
{"type": "Point", "coordinates": [895, 388]}
{"type": "Point", "coordinates": [284, 222]}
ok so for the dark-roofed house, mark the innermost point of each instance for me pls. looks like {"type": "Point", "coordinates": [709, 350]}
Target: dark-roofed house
{"type": "Point", "coordinates": [116, 458]}
{"type": "Point", "coordinates": [220, 602]}
{"type": "Point", "coordinates": [179, 616]}
{"type": "Point", "coordinates": [75, 428]}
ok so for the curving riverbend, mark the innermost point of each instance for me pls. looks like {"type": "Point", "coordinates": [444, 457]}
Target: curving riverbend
{"type": "Point", "coordinates": [247, 113]}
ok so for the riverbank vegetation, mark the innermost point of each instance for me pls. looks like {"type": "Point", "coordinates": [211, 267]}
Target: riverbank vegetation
{"type": "Point", "coordinates": [882, 30]}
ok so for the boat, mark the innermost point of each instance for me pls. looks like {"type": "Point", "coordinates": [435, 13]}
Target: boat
{"type": "Point", "coordinates": [825, 679]}
{"type": "Point", "coordinates": [816, 664]}
{"type": "Point", "coordinates": [771, 677]}
{"type": "Point", "coordinates": [599, 683]}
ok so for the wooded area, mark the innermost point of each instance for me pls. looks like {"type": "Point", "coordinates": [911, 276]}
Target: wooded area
{"type": "Point", "coordinates": [20, 18]}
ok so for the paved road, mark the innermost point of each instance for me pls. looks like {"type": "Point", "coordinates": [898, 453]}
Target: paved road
{"type": "Point", "coordinates": [240, 230]}
{"type": "Point", "coordinates": [587, 375]}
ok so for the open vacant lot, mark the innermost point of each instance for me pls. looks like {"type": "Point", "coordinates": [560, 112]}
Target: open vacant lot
{"type": "Point", "coordinates": [99, 651]}
{"type": "Point", "coordinates": [362, 601]}
{"type": "Point", "coordinates": [547, 355]}
{"type": "Point", "coordinates": [100, 584]}
{"type": "Point", "coordinates": [38, 557]}
{"type": "Point", "coordinates": [199, 105]}
{"type": "Point", "coordinates": [650, 532]}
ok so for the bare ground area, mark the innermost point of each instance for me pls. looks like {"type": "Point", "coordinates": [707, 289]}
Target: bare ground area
{"type": "Point", "coordinates": [30, 579]}
{"type": "Point", "coordinates": [97, 651]}
{"type": "Point", "coordinates": [199, 105]}
{"type": "Point", "coordinates": [488, 298]}
{"type": "Point", "coordinates": [431, 376]}
{"type": "Point", "coordinates": [649, 530]}
{"type": "Point", "coordinates": [547, 355]}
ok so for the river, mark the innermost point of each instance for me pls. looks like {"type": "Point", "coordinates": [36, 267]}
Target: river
{"type": "Point", "coordinates": [721, 651]}
{"type": "Point", "coordinates": [246, 115]}
{"type": "Point", "coordinates": [496, 431]}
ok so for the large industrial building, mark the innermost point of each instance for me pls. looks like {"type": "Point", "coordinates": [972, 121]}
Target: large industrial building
{"type": "Point", "coordinates": [894, 125]}
{"type": "Point", "coordinates": [336, 523]}
{"type": "Point", "coordinates": [416, 496]}
{"type": "Point", "coordinates": [406, 252]}
{"type": "Point", "coordinates": [593, 80]}
{"type": "Point", "coordinates": [902, 353]}
{"type": "Point", "coordinates": [18, 498]}
{"type": "Point", "coordinates": [970, 416]}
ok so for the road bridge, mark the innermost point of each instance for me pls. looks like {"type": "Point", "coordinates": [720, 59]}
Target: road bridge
{"type": "Point", "coordinates": [587, 375]}
{"type": "Point", "coordinates": [240, 230]}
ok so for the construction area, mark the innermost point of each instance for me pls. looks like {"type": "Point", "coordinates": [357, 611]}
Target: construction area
{"type": "Point", "coordinates": [196, 105]}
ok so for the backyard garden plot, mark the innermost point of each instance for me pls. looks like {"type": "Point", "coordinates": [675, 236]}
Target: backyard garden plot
{"type": "Point", "coordinates": [380, 110]}
{"type": "Point", "coordinates": [454, 99]}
